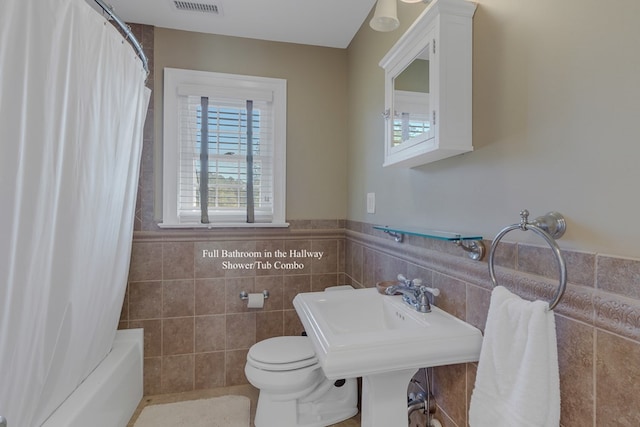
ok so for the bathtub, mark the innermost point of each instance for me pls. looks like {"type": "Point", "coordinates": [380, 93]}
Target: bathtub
{"type": "Point", "coordinates": [110, 394]}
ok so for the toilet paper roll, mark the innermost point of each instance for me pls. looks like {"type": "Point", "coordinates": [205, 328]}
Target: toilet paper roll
{"type": "Point", "coordinates": [255, 301]}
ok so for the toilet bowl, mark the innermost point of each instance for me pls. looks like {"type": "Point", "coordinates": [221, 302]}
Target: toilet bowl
{"type": "Point", "coordinates": [294, 391]}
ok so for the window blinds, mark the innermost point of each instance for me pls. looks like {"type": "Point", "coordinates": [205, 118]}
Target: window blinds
{"type": "Point", "coordinates": [226, 159]}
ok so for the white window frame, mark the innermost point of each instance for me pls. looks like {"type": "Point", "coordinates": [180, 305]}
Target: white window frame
{"type": "Point", "coordinates": [237, 87]}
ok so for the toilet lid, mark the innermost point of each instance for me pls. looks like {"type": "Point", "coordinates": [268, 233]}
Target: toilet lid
{"type": "Point", "coordinates": [282, 353]}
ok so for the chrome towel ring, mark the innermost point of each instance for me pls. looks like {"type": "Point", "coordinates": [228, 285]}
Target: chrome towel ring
{"type": "Point", "coordinates": [550, 227]}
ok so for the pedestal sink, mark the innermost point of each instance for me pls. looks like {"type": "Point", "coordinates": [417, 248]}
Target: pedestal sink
{"type": "Point", "coordinates": [362, 333]}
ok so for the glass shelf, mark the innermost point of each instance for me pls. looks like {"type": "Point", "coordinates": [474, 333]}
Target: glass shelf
{"type": "Point", "coordinates": [429, 234]}
{"type": "Point", "coordinates": [470, 243]}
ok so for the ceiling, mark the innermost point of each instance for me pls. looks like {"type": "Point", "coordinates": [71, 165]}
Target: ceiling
{"type": "Point", "coordinates": [331, 23]}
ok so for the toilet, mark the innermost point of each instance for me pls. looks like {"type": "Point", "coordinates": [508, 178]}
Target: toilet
{"type": "Point", "coordinates": [294, 391]}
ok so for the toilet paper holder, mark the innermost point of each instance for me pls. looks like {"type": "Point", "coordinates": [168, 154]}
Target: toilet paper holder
{"type": "Point", "coordinates": [244, 295]}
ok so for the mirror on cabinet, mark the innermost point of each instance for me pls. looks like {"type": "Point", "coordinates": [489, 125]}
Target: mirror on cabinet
{"type": "Point", "coordinates": [428, 117]}
{"type": "Point", "coordinates": [411, 114]}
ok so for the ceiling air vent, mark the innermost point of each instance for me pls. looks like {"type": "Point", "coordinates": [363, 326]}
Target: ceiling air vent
{"type": "Point", "coordinates": [189, 6]}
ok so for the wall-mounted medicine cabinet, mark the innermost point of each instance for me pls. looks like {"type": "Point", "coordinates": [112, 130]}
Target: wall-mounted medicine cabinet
{"type": "Point", "coordinates": [428, 87]}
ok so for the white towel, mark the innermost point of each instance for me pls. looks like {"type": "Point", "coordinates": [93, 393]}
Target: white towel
{"type": "Point", "coordinates": [517, 384]}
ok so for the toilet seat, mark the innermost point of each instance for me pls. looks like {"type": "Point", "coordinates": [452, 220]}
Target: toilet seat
{"type": "Point", "coordinates": [282, 354]}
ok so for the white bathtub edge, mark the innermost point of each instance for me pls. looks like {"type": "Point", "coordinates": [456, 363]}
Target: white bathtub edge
{"type": "Point", "coordinates": [109, 396]}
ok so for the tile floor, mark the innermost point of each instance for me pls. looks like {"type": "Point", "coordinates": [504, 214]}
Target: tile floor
{"type": "Point", "coordinates": [242, 390]}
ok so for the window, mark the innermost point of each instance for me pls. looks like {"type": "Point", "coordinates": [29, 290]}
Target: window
{"type": "Point", "coordinates": [224, 150]}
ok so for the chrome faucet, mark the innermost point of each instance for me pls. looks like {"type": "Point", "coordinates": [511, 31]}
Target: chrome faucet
{"type": "Point", "coordinates": [414, 293]}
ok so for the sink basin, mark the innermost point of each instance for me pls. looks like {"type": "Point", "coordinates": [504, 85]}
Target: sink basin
{"type": "Point", "coordinates": [362, 333]}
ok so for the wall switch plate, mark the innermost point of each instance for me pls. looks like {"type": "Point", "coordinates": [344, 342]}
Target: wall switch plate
{"type": "Point", "coordinates": [371, 203]}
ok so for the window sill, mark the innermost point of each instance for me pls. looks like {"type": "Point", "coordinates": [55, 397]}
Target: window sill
{"type": "Point", "coordinates": [226, 225]}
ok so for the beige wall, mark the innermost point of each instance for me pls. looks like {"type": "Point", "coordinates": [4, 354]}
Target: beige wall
{"type": "Point", "coordinates": [316, 120]}
{"type": "Point", "coordinates": [556, 103]}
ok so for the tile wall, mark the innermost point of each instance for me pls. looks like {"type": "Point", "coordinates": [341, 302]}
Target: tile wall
{"type": "Point", "coordinates": [198, 331]}
{"type": "Point", "coordinates": [184, 290]}
{"type": "Point", "coordinates": [597, 321]}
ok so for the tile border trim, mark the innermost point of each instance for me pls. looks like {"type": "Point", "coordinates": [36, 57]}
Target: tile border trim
{"type": "Point", "coordinates": [607, 311]}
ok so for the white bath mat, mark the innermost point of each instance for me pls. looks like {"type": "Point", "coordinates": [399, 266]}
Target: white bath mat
{"type": "Point", "coordinates": [225, 411]}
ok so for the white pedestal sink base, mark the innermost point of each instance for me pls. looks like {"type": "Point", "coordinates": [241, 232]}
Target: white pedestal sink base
{"type": "Point", "coordinates": [384, 399]}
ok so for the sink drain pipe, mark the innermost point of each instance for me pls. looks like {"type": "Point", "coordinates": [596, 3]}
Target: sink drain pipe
{"type": "Point", "coordinates": [423, 401]}
{"type": "Point", "coordinates": [416, 404]}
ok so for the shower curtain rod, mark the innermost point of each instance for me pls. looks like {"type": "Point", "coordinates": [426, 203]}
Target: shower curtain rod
{"type": "Point", "coordinates": [127, 33]}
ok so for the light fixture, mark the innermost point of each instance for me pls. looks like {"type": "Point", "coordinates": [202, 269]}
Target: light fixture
{"type": "Point", "coordinates": [385, 17]}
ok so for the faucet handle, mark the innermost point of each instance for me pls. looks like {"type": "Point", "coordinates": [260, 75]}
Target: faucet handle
{"type": "Point", "coordinates": [415, 282]}
{"type": "Point", "coordinates": [434, 291]}
{"type": "Point", "coordinates": [403, 279]}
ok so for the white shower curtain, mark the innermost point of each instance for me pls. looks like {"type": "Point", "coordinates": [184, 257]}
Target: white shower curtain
{"type": "Point", "coordinates": [72, 107]}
